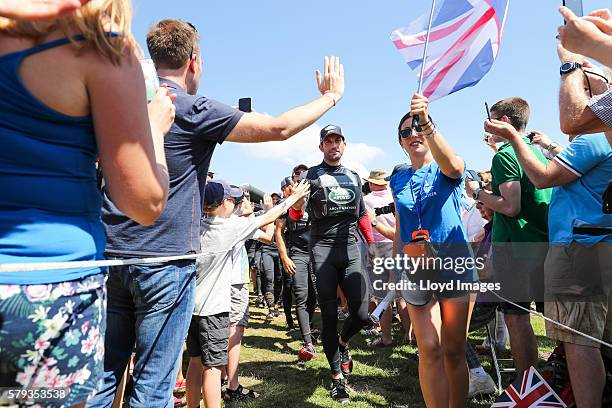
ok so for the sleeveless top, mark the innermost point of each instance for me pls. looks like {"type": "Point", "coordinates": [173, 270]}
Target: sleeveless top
{"type": "Point", "coordinates": [49, 202]}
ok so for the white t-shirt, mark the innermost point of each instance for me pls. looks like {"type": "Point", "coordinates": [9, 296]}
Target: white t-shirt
{"type": "Point", "coordinates": [215, 267]}
{"type": "Point", "coordinates": [377, 199]}
{"type": "Point", "coordinates": [240, 261]}
{"type": "Point", "coordinates": [473, 223]}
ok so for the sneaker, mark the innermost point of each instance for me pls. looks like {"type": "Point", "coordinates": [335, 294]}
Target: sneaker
{"type": "Point", "coordinates": [342, 315]}
{"type": "Point", "coordinates": [179, 402]}
{"type": "Point", "coordinates": [290, 329]}
{"type": "Point", "coordinates": [346, 361]}
{"type": "Point", "coordinates": [338, 391]}
{"type": "Point", "coordinates": [481, 385]}
{"type": "Point", "coordinates": [314, 335]}
{"type": "Point", "coordinates": [370, 332]}
{"type": "Point", "coordinates": [260, 302]}
{"type": "Point", "coordinates": [307, 353]}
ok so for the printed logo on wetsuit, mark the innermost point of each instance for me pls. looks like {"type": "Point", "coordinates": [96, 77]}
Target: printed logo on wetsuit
{"type": "Point", "coordinates": [341, 195]}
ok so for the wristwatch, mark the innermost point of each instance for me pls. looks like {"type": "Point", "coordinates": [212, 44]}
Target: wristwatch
{"type": "Point", "coordinates": [374, 223]}
{"type": "Point", "coordinates": [568, 67]}
{"type": "Point", "coordinates": [552, 146]}
{"type": "Point", "coordinates": [476, 193]}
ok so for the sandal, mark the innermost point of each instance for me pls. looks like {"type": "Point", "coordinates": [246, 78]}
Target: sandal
{"type": "Point", "coordinates": [238, 394]}
{"type": "Point", "coordinates": [179, 388]}
{"type": "Point", "coordinates": [378, 343]}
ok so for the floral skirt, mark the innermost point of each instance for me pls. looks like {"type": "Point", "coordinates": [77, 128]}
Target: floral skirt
{"type": "Point", "coordinates": [52, 339]}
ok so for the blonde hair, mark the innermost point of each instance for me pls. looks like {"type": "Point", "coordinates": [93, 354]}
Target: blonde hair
{"type": "Point", "coordinates": [93, 21]}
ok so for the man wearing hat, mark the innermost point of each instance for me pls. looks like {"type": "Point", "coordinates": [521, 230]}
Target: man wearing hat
{"type": "Point", "coordinates": [297, 171]}
{"type": "Point", "coordinates": [335, 207]}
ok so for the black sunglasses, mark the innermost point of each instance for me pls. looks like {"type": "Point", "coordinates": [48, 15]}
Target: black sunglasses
{"type": "Point", "coordinates": [405, 133]}
{"type": "Point", "coordinates": [195, 30]}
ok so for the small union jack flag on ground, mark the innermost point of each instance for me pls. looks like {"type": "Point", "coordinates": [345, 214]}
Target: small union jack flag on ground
{"type": "Point", "coordinates": [531, 391]}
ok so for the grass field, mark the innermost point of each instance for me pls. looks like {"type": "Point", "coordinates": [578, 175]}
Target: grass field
{"type": "Point", "coordinates": [381, 377]}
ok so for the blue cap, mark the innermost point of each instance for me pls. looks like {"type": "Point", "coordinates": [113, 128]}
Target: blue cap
{"type": "Point", "coordinates": [218, 190]}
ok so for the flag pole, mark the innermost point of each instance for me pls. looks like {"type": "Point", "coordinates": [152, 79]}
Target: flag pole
{"type": "Point", "coordinates": [415, 119]}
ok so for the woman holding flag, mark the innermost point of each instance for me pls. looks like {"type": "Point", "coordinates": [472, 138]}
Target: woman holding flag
{"type": "Point", "coordinates": [427, 194]}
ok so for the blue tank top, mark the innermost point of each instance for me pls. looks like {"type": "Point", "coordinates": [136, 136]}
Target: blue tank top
{"type": "Point", "coordinates": [49, 202]}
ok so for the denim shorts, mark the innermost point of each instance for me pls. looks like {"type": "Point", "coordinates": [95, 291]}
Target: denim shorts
{"type": "Point", "coordinates": [52, 335]}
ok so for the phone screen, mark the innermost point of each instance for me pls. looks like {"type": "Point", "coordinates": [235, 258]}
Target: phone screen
{"type": "Point", "coordinates": [575, 6]}
{"type": "Point", "coordinates": [244, 104]}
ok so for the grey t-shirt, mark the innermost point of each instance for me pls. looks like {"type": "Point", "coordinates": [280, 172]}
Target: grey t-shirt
{"type": "Point", "coordinates": [215, 266]}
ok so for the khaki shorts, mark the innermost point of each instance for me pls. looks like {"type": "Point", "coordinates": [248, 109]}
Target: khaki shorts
{"type": "Point", "coordinates": [592, 318]}
{"type": "Point", "coordinates": [239, 308]}
{"type": "Point", "coordinates": [579, 293]}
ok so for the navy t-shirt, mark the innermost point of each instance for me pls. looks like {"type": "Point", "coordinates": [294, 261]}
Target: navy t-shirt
{"type": "Point", "coordinates": [200, 124]}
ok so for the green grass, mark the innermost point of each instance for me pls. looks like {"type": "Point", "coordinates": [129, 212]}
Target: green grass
{"type": "Point", "coordinates": [381, 377]}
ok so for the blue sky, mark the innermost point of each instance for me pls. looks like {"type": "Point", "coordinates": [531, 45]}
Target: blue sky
{"type": "Point", "coordinates": [269, 50]}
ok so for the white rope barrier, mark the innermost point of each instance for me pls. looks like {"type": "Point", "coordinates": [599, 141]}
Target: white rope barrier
{"type": "Point", "coordinates": [535, 313]}
{"type": "Point", "coordinates": [44, 266]}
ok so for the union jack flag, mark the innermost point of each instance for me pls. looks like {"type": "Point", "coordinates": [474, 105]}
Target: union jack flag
{"type": "Point", "coordinates": [532, 391]}
{"type": "Point", "coordinates": [463, 44]}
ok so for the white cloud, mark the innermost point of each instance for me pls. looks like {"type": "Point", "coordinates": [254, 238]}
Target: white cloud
{"type": "Point", "coordinates": [304, 148]}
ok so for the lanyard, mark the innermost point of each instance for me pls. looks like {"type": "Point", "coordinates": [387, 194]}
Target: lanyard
{"type": "Point", "coordinates": [418, 202]}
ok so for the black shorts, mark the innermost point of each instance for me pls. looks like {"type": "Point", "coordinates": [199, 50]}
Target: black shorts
{"type": "Point", "coordinates": [208, 338]}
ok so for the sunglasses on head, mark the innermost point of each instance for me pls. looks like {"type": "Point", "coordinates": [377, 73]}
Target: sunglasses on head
{"type": "Point", "coordinates": [195, 30]}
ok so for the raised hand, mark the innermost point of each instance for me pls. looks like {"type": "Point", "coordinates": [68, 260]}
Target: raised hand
{"type": "Point", "coordinates": [301, 190]}
{"type": "Point", "coordinates": [579, 34]}
{"type": "Point", "coordinates": [267, 204]}
{"type": "Point", "coordinates": [502, 129]}
{"type": "Point", "coordinates": [162, 110]}
{"type": "Point", "coordinates": [37, 9]}
{"type": "Point", "coordinates": [602, 18]}
{"type": "Point", "coordinates": [489, 141]}
{"type": "Point", "coordinates": [420, 106]}
{"type": "Point", "coordinates": [540, 139]}
{"type": "Point", "coordinates": [331, 81]}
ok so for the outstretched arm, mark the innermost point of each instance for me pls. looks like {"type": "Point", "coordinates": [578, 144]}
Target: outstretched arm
{"type": "Point", "coordinates": [255, 127]}
{"type": "Point", "coordinates": [37, 9]}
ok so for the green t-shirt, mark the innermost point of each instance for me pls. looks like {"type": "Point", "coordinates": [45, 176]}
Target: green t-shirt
{"type": "Point", "coordinates": [531, 224]}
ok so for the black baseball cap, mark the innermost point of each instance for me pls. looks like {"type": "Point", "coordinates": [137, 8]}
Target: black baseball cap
{"type": "Point", "coordinates": [217, 191]}
{"type": "Point", "coordinates": [331, 130]}
{"type": "Point", "coordinates": [285, 182]}
{"type": "Point", "coordinates": [299, 166]}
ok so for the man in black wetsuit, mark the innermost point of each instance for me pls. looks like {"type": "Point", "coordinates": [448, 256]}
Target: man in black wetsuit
{"type": "Point", "coordinates": [335, 207]}
{"type": "Point", "coordinates": [293, 242]}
